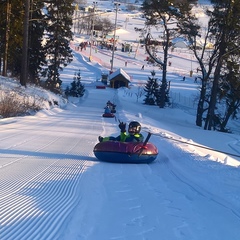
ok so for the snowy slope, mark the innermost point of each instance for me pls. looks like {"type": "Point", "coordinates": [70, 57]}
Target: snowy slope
{"type": "Point", "coordinates": [52, 186]}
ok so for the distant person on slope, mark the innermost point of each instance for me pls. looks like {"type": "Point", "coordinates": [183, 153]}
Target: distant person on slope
{"type": "Point", "coordinates": [107, 110]}
{"type": "Point", "coordinates": [133, 135]}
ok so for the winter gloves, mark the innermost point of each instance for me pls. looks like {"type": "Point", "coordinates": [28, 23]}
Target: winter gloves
{"type": "Point", "coordinates": [122, 126]}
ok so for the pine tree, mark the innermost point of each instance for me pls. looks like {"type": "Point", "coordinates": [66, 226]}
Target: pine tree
{"type": "Point", "coordinates": [59, 15]}
{"type": "Point", "coordinates": [11, 25]}
{"type": "Point", "coordinates": [77, 88]}
{"type": "Point", "coordinates": [152, 90]}
{"type": "Point", "coordinates": [36, 56]}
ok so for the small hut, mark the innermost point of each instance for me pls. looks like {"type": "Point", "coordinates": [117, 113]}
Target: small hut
{"type": "Point", "coordinates": [119, 78]}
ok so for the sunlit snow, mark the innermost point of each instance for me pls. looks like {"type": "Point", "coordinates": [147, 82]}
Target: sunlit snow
{"type": "Point", "coordinates": [53, 187]}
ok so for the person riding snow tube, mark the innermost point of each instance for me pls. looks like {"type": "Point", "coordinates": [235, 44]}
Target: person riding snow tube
{"type": "Point", "coordinates": [133, 135]}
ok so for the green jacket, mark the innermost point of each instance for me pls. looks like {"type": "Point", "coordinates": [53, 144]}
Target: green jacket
{"type": "Point", "coordinates": [124, 137]}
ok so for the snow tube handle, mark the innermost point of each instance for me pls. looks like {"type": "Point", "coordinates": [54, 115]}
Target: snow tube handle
{"type": "Point", "coordinates": [144, 144]}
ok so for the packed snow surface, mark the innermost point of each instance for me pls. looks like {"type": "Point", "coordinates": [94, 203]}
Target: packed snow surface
{"type": "Point", "coordinates": [53, 187]}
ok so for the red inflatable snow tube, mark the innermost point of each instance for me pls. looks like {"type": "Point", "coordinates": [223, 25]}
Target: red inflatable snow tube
{"type": "Point", "coordinates": [125, 152]}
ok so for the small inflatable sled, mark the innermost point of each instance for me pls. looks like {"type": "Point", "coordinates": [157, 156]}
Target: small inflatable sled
{"type": "Point", "coordinates": [108, 115]}
{"type": "Point", "coordinates": [125, 152]}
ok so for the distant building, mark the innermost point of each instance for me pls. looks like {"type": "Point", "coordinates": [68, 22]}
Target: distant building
{"type": "Point", "coordinates": [119, 78]}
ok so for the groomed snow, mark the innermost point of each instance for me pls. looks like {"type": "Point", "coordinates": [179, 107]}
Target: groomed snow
{"type": "Point", "coordinates": [53, 187]}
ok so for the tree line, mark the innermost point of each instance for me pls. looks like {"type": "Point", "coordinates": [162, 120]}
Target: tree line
{"type": "Point", "coordinates": [41, 30]}
{"type": "Point", "coordinates": [48, 35]}
{"type": "Point", "coordinates": [219, 96]}
{"type": "Point", "coordinates": [49, 24]}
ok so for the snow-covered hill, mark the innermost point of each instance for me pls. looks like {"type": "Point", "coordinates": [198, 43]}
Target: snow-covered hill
{"type": "Point", "coordinates": [53, 187]}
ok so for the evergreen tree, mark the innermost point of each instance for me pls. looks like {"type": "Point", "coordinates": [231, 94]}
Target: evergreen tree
{"type": "Point", "coordinates": [4, 12]}
{"type": "Point", "coordinates": [59, 34]}
{"type": "Point", "coordinates": [36, 54]}
{"type": "Point", "coordinates": [77, 88]}
{"type": "Point", "coordinates": [152, 90]}
{"type": "Point", "coordinates": [67, 91]}
{"type": "Point", "coordinates": [11, 26]}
